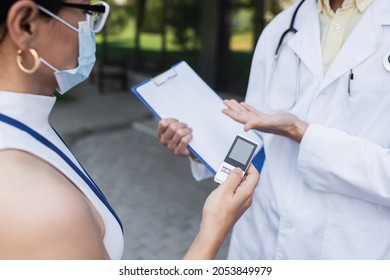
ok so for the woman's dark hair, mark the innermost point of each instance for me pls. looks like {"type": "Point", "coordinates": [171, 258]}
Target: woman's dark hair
{"type": "Point", "coordinates": [6, 4]}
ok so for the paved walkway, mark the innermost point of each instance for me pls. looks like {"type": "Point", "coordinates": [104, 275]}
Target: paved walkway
{"type": "Point", "coordinates": [113, 136]}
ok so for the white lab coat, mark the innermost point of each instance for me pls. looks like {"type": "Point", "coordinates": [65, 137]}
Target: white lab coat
{"type": "Point", "coordinates": [329, 196]}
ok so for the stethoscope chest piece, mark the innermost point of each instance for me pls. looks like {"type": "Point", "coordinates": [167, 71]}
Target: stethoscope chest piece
{"type": "Point", "coordinates": [386, 62]}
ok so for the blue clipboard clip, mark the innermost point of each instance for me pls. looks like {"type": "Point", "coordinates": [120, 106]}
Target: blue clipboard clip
{"type": "Point", "coordinates": [164, 77]}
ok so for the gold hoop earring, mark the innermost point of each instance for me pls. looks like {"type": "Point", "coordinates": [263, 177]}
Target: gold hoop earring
{"type": "Point", "coordinates": [19, 60]}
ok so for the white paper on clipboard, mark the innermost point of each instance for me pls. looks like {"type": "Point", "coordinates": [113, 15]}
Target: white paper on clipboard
{"type": "Point", "coordinates": [181, 94]}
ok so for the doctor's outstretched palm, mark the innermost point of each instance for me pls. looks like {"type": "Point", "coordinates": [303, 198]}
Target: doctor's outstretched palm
{"type": "Point", "coordinates": [284, 124]}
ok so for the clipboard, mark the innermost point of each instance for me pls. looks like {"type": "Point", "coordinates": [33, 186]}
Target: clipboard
{"type": "Point", "coordinates": [181, 94]}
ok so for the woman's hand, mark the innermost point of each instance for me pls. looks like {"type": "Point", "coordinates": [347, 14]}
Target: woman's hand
{"type": "Point", "coordinates": [222, 209]}
{"type": "Point", "coordinates": [284, 124]}
{"type": "Point", "coordinates": [175, 136]}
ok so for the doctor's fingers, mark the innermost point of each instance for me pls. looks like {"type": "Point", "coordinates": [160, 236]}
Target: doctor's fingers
{"type": "Point", "coordinates": [277, 123]}
{"type": "Point", "coordinates": [168, 128]}
{"type": "Point", "coordinates": [180, 141]}
{"type": "Point", "coordinates": [250, 108]}
{"type": "Point", "coordinates": [234, 105]}
{"type": "Point", "coordinates": [238, 111]}
{"type": "Point", "coordinates": [164, 124]}
{"type": "Point", "coordinates": [239, 116]}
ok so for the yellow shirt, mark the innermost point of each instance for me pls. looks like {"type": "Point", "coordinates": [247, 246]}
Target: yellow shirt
{"type": "Point", "coordinates": [337, 26]}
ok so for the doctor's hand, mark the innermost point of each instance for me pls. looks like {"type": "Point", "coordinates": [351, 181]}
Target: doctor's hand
{"type": "Point", "coordinates": [284, 124]}
{"type": "Point", "coordinates": [223, 207]}
{"type": "Point", "coordinates": [175, 136]}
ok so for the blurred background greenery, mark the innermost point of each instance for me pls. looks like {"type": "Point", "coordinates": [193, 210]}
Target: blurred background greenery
{"type": "Point", "coordinates": [216, 37]}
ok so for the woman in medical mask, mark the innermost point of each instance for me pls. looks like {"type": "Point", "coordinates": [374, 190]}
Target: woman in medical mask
{"type": "Point", "coordinates": [49, 207]}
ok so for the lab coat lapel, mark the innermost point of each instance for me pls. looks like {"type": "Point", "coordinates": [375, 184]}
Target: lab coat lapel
{"type": "Point", "coordinates": [306, 42]}
{"type": "Point", "coordinates": [361, 44]}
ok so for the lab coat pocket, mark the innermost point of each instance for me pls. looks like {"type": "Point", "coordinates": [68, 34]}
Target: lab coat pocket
{"type": "Point", "coordinates": [366, 110]}
{"type": "Point", "coordinates": [356, 238]}
{"type": "Point", "coordinates": [369, 87]}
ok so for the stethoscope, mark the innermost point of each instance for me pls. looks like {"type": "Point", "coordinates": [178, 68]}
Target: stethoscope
{"type": "Point", "coordinates": [293, 30]}
{"type": "Point", "coordinates": [270, 92]}
{"type": "Point", "coordinates": [290, 29]}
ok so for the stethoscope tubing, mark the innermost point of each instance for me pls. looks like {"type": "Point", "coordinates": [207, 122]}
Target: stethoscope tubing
{"type": "Point", "coordinates": [293, 30]}
{"type": "Point", "coordinates": [290, 29]}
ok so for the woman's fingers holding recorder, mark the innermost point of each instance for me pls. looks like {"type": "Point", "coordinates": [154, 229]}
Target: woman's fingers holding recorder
{"type": "Point", "coordinates": [229, 201]}
{"type": "Point", "coordinates": [248, 183]}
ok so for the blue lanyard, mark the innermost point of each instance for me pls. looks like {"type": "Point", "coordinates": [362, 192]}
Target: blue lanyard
{"type": "Point", "coordinates": [54, 148]}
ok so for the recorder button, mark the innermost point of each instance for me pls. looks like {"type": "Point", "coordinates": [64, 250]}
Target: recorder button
{"type": "Point", "coordinates": [225, 170]}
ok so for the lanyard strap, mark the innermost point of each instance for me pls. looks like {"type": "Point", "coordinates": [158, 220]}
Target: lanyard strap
{"type": "Point", "coordinates": [55, 149]}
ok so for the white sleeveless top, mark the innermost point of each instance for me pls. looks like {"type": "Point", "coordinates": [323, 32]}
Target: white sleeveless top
{"type": "Point", "coordinates": [33, 111]}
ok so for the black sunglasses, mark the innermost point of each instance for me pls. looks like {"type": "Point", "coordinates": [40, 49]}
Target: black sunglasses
{"type": "Point", "coordinates": [86, 7]}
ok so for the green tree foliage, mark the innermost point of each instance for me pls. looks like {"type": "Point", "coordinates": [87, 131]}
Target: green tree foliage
{"type": "Point", "coordinates": [184, 18]}
{"type": "Point", "coordinates": [274, 7]}
{"type": "Point", "coordinates": [118, 18]}
{"type": "Point", "coordinates": [153, 19]}
{"type": "Point", "coordinates": [242, 20]}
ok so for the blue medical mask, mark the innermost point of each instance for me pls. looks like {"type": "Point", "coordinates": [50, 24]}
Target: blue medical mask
{"type": "Point", "coordinates": [67, 79]}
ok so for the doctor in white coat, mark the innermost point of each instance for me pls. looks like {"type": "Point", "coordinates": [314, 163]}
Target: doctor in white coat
{"type": "Point", "coordinates": [323, 110]}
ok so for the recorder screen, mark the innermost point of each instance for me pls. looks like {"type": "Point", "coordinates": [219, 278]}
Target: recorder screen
{"type": "Point", "coordinates": [242, 151]}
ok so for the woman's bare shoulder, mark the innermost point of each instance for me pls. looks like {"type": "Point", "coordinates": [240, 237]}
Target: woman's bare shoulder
{"type": "Point", "coordinates": [42, 214]}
